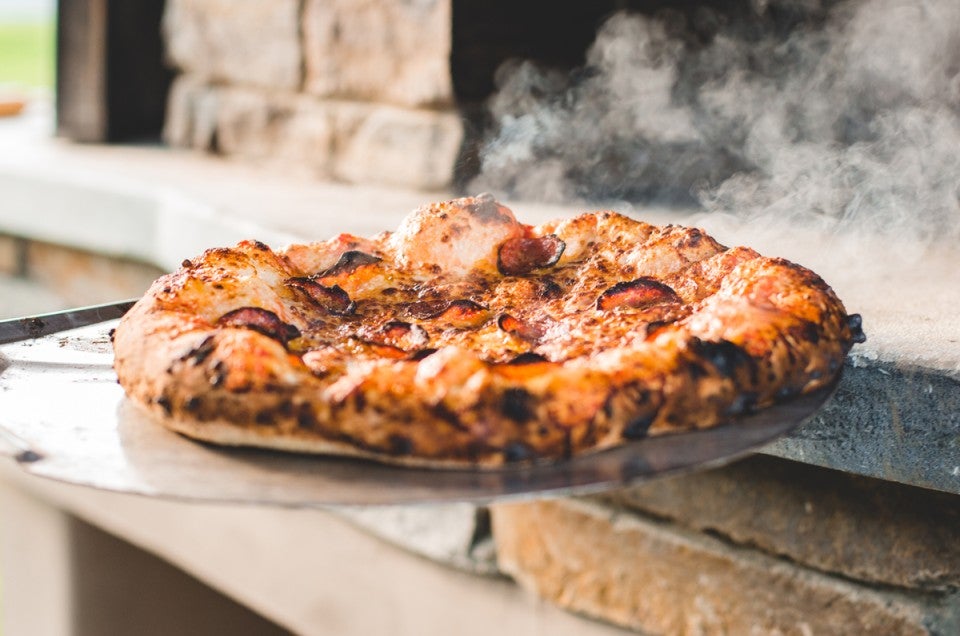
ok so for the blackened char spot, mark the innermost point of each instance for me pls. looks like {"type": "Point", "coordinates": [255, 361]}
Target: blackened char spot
{"type": "Point", "coordinates": [484, 207]}
{"type": "Point", "coordinates": [260, 245]}
{"type": "Point", "coordinates": [638, 427]}
{"type": "Point", "coordinates": [527, 358]}
{"type": "Point", "coordinates": [350, 261]}
{"type": "Point", "coordinates": [743, 404]}
{"type": "Point", "coordinates": [192, 404]}
{"type": "Point", "coordinates": [399, 444]}
{"type": "Point", "coordinates": [549, 289]}
{"type": "Point", "coordinates": [517, 404]}
{"type": "Point", "coordinates": [725, 356]}
{"type": "Point", "coordinates": [419, 355]}
{"type": "Point", "coordinates": [201, 352]}
{"type": "Point", "coordinates": [517, 452]}
{"type": "Point", "coordinates": [443, 412]}
{"type": "Point", "coordinates": [164, 403]}
{"type": "Point", "coordinates": [855, 323]}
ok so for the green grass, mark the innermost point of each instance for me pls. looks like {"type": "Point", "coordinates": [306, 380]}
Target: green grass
{"type": "Point", "coordinates": [26, 53]}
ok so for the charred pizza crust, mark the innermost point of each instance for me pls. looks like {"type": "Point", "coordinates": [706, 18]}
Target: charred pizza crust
{"type": "Point", "coordinates": [468, 338]}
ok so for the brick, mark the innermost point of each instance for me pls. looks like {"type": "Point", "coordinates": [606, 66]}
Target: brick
{"type": "Point", "coordinates": [861, 528]}
{"type": "Point", "coordinates": [254, 42]}
{"type": "Point", "coordinates": [395, 146]}
{"type": "Point", "coordinates": [660, 579]}
{"type": "Point", "coordinates": [379, 50]}
{"type": "Point", "coordinates": [82, 278]}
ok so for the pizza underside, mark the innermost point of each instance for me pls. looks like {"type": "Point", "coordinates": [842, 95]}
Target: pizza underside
{"type": "Point", "coordinates": [467, 338]}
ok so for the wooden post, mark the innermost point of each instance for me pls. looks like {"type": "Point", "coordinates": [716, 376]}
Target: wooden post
{"type": "Point", "coordinates": [111, 79]}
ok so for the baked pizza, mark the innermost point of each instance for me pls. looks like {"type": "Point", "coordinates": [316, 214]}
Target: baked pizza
{"type": "Point", "coordinates": [467, 338]}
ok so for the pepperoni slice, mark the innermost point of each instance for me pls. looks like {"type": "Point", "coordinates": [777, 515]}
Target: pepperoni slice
{"type": "Point", "coordinates": [460, 314]}
{"type": "Point", "coordinates": [349, 262]}
{"type": "Point", "coordinates": [520, 329]}
{"type": "Point", "coordinates": [260, 320]}
{"type": "Point", "coordinates": [640, 293]}
{"type": "Point", "coordinates": [519, 256]}
{"type": "Point", "coordinates": [334, 299]}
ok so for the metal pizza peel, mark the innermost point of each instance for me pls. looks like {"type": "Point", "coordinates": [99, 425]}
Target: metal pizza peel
{"type": "Point", "coordinates": [64, 417]}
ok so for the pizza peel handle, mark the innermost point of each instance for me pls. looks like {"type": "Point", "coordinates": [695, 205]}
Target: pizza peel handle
{"type": "Point", "coordinates": [31, 327]}
{"type": "Point", "coordinates": [63, 416]}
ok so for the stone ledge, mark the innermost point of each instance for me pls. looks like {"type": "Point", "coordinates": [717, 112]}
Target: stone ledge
{"type": "Point", "coordinates": [860, 528]}
{"type": "Point", "coordinates": [888, 421]}
{"type": "Point", "coordinates": [659, 579]}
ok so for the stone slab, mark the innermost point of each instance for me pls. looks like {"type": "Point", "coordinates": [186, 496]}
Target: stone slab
{"type": "Point", "coordinates": [862, 529]}
{"type": "Point", "coordinates": [657, 579]}
{"type": "Point", "coordinates": [393, 51]}
{"type": "Point", "coordinates": [253, 43]}
{"type": "Point", "coordinates": [890, 421]}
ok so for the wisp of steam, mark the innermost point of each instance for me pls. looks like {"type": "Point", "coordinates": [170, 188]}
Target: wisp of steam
{"type": "Point", "coordinates": [843, 115]}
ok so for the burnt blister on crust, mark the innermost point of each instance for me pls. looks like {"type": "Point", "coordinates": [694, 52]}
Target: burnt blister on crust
{"type": "Point", "coordinates": [260, 320]}
{"type": "Point", "coordinates": [333, 299]}
{"type": "Point", "coordinates": [725, 356]}
{"type": "Point", "coordinates": [855, 324]}
{"type": "Point", "coordinates": [639, 293]}
{"type": "Point", "coordinates": [518, 256]}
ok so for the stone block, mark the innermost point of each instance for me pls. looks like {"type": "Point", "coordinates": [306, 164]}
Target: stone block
{"type": "Point", "coordinates": [191, 120]}
{"type": "Point", "coordinates": [659, 579]}
{"type": "Point", "coordinates": [289, 130]}
{"type": "Point", "coordinates": [357, 142]}
{"type": "Point", "coordinates": [861, 528]}
{"type": "Point", "coordinates": [254, 42]}
{"type": "Point", "coordinates": [379, 50]}
{"type": "Point", "coordinates": [395, 146]}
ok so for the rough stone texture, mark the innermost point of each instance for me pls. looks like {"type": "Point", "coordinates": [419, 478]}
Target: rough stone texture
{"type": "Point", "coordinates": [661, 580]}
{"type": "Point", "coordinates": [254, 42]}
{"type": "Point", "coordinates": [888, 420]}
{"type": "Point", "coordinates": [356, 142]}
{"type": "Point", "coordinates": [191, 120]}
{"type": "Point", "coordinates": [379, 50]}
{"type": "Point", "coordinates": [292, 130]}
{"type": "Point", "coordinates": [394, 146]}
{"type": "Point", "coordinates": [80, 278]}
{"type": "Point", "coordinates": [861, 528]}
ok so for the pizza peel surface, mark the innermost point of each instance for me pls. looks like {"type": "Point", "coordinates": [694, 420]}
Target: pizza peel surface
{"type": "Point", "coordinates": [467, 338]}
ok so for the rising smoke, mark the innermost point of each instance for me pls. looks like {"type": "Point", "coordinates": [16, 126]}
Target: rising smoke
{"type": "Point", "coordinates": [835, 114]}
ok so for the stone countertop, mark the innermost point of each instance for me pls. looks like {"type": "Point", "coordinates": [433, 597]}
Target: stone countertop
{"type": "Point", "coordinates": [896, 415]}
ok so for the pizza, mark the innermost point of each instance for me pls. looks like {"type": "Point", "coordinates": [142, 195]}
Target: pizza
{"type": "Point", "coordinates": [467, 338]}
